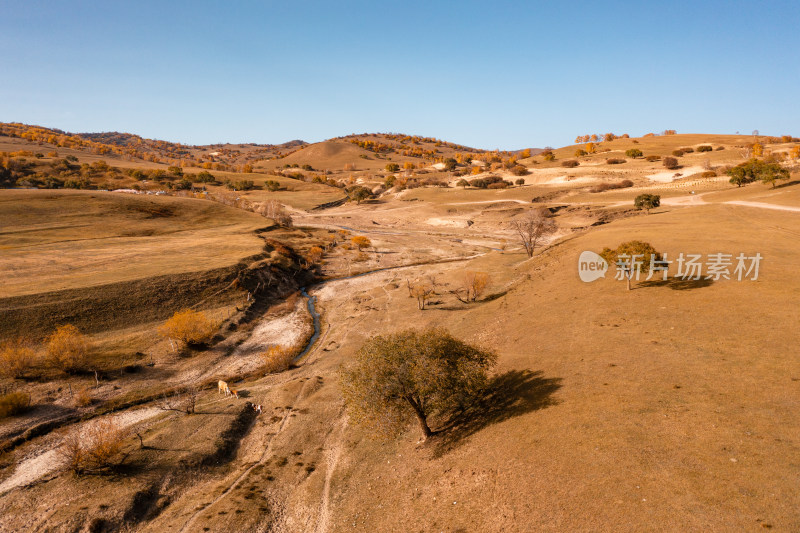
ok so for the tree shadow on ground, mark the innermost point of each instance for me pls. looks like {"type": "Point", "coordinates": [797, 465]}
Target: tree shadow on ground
{"type": "Point", "coordinates": [508, 395]}
{"type": "Point", "coordinates": [677, 284]}
{"type": "Point", "coordinates": [787, 184]}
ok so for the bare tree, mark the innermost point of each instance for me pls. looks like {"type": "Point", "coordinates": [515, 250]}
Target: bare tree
{"type": "Point", "coordinates": [184, 402]}
{"type": "Point", "coordinates": [532, 227]}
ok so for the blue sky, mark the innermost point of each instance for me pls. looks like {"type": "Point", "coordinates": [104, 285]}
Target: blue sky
{"type": "Point", "coordinates": [495, 74]}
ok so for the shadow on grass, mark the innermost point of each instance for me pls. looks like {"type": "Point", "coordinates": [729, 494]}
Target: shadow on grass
{"type": "Point", "coordinates": [676, 284]}
{"type": "Point", "coordinates": [508, 395]}
{"type": "Point", "coordinates": [787, 184]}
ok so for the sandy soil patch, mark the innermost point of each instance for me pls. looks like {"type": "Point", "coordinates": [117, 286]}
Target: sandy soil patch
{"type": "Point", "coordinates": [668, 176]}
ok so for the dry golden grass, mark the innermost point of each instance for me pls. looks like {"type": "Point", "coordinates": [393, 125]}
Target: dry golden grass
{"type": "Point", "coordinates": [56, 240]}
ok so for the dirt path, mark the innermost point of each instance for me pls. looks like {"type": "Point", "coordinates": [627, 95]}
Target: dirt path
{"type": "Point", "coordinates": [333, 453]}
{"type": "Point", "coordinates": [764, 205]}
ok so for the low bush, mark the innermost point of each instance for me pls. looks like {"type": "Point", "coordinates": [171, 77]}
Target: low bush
{"type": "Point", "coordinates": [570, 163]}
{"type": "Point", "coordinates": [624, 184]}
{"type": "Point", "coordinates": [720, 148]}
{"type": "Point", "coordinates": [96, 447]}
{"type": "Point", "coordinates": [16, 357]}
{"type": "Point", "coordinates": [633, 152]}
{"type": "Point", "coordinates": [14, 403]}
{"type": "Point", "coordinates": [653, 158]}
{"type": "Point", "coordinates": [277, 359]}
{"type": "Point", "coordinates": [520, 181]}
{"type": "Point", "coordinates": [614, 161]}
{"type": "Point", "coordinates": [677, 153]}
{"type": "Point", "coordinates": [519, 170]}
{"type": "Point", "coordinates": [670, 163]}
{"type": "Point", "coordinates": [272, 185]}
{"type": "Point", "coordinates": [704, 148]}
{"type": "Point", "coordinates": [708, 174]}
{"type": "Point", "coordinates": [580, 152]}
{"type": "Point", "coordinates": [688, 149]}
{"type": "Point", "coordinates": [499, 185]}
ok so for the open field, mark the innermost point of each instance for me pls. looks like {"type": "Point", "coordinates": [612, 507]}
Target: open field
{"type": "Point", "coordinates": [670, 407]}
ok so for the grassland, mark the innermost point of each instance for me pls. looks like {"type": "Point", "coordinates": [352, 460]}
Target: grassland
{"type": "Point", "coordinates": [670, 407]}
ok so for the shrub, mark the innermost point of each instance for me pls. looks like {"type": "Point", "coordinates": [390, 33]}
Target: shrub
{"type": "Point", "coordinates": [677, 153]}
{"type": "Point", "coordinates": [272, 185]}
{"type": "Point", "coordinates": [633, 152]}
{"type": "Point", "coordinates": [463, 183]}
{"type": "Point", "coordinates": [241, 185]}
{"type": "Point", "coordinates": [647, 201]}
{"type": "Point", "coordinates": [450, 164]}
{"type": "Point", "coordinates": [570, 163]}
{"type": "Point", "coordinates": [277, 359]}
{"type": "Point", "coordinates": [190, 327]}
{"type": "Point", "coordinates": [520, 181]}
{"type": "Point", "coordinates": [16, 357]}
{"type": "Point", "coordinates": [548, 155]}
{"type": "Point", "coordinates": [519, 170]}
{"type": "Point", "coordinates": [670, 163]}
{"type": "Point", "coordinates": [704, 148]}
{"type": "Point", "coordinates": [14, 403]}
{"type": "Point", "coordinates": [720, 148]}
{"type": "Point", "coordinates": [602, 187]}
{"type": "Point", "coordinates": [361, 242]}
{"type": "Point", "coordinates": [67, 349]}
{"type": "Point", "coordinates": [392, 167]}
{"type": "Point", "coordinates": [708, 174]}
{"type": "Point", "coordinates": [580, 152]}
{"type": "Point", "coordinates": [653, 158]}
{"type": "Point", "coordinates": [206, 177]}
{"type": "Point", "coordinates": [614, 161]}
{"type": "Point", "coordinates": [96, 447]}
{"type": "Point", "coordinates": [688, 149]}
{"type": "Point", "coordinates": [499, 185]}
{"type": "Point", "coordinates": [83, 397]}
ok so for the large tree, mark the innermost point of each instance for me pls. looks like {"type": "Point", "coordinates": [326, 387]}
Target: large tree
{"type": "Point", "coordinates": [532, 227]}
{"type": "Point", "coordinates": [412, 374]}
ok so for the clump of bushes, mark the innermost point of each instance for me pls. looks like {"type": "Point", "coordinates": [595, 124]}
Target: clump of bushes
{"type": "Point", "coordinates": [193, 328]}
{"type": "Point", "coordinates": [277, 359]}
{"type": "Point", "coordinates": [580, 152]}
{"type": "Point", "coordinates": [704, 148]}
{"type": "Point", "coordinates": [272, 185]}
{"type": "Point", "coordinates": [484, 183]}
{"type": "Point", "coordinates": [14, 403]}
{"type": "Point", "coordinates": [688, 149]}
{"type": "Point", "coordinates": [499, 185]}
{"type": "Point", "coordinates": [647, 202]}
{"type": "Point", "coordinates": [614, 161]}
{"type": "Point", "coordinates": [519, 170]}
{"type": "Point", "coordinates": [670, 163]}
{"type": "Point", "coordinates": [624, 184]}
{"type": "Point", "coordinates": [570, 163]}
{"type": "Point", "coordinates": [708, 174]}
{"type": "Point", "coordinates": [653, 158]}
{"type": "Point", "coordinates": [241, 185]}
{"type": "Point", "coordinates": [633, 152]}
{"type": "Point", "coordinates": [677, 153]}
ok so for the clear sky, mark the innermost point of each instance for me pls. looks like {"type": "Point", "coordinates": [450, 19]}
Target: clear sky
{"type": "Point", "coordinates": [493, 74]}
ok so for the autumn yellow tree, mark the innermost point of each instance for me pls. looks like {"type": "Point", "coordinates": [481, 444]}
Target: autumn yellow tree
{"type": "Point", "coordinates": [68, 349]}
{"type": "Point", "coordinates": [361, 242]}
{"type": "Point", "coordinates": [591, 148]}
{"type": "Point", "coordinates": [758, 150]}
{"type": "Point", "coordinates": [190, 327]}
{"type": "Point", "coordinates": [794, 153]}
{"type": "Point", "coordinates": [471, 285]}
{"type": "Point", "coordinates": [314, 255]}
{"type": "Point", "coordinates": [16, 357]}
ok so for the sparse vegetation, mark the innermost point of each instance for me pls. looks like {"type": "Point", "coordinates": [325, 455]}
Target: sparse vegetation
{"type": "Point", "coordinates": [471, 285]}
{"type": "Point", "coordinates": [99, 446]}
{"type": "Point", "coordinates": [412, 374]}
